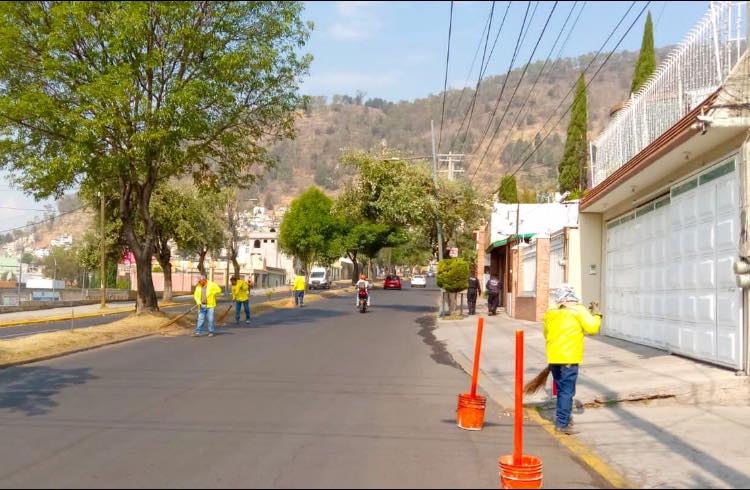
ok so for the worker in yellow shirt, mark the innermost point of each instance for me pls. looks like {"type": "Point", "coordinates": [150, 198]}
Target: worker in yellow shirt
{"type": "Point", "coordinates": [205, 297]}
{"type": "Point", "coordinates": [241, 298]}
{"type": "Point", "coordinates": [298, 289]}
{"type": "Point", "coordinates": [564, 328]}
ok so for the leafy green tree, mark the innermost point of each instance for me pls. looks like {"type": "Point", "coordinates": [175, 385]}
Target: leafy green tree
{"type": "Point", "coordinates": [61, 264]}
{"type": "Point", "coordinates": [202, 230]}
{"type": "Point", "coordinates": [28, 258]}
{"type": "Point", "coordinates": [646, 64]}
{"type": "Point", "coordinates": [308, 229]}
{"type": "Point", "coordinates": [508, 190]}
{"type": "Point", "coordinates": [573, 167]}
{"type": "Point", "coordinates": [123, 96]}
{"type": "Point", "coordinates": [186, 218]}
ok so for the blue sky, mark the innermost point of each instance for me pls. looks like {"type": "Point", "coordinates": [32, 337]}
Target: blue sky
{"type": "Point", "coordinates": [396, 50]}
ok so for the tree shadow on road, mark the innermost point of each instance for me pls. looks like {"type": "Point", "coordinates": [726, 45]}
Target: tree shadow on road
{"type": "Point", "coordinates": [30, 390]}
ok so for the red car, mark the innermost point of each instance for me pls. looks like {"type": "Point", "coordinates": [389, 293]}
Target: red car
{"type": "Point", "coordinates": [392, 282]}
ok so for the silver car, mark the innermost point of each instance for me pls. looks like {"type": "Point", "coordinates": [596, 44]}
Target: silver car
{"type": "Point", "coordinates": [418, 282]}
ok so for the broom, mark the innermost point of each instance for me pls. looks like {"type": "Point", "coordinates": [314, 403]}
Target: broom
{"type": "Point", "coordinates": [537, 383]}
{"type": "Point", "coordinates": [224, 315]}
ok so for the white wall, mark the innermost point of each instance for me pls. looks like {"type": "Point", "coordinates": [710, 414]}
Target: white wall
{"type": "Point", "coordinates": [539, 219]}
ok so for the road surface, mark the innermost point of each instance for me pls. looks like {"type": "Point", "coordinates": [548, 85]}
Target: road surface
{"type": "Point", "coordinates": [322, 396]}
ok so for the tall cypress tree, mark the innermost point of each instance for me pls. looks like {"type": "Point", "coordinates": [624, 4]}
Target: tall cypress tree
{"type": "Point", "coordinates": [646, 64]}
{"type": "Point", "coordinates": [572, 169]}
{"type": "Point", "coordinates": [508, 190]}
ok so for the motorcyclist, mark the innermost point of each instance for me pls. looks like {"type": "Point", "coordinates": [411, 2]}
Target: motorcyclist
{"type": "Point", "coordinates": [363, 283]}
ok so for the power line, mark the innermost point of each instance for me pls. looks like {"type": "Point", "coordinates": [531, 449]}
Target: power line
{"type": "Point", "coordinates": [591, 62]}
{"type": "Point", "coordinates": [42, 221]}
{"type": "Point", "coordinates": [541, 71]}
{"type": "Point", "coordinates": [474, 61]}
{"type": "Point", "coordinates": [640, 14]}
{"type": "Point", "coordinates": [445, 83]}
{"type": "Point", "coordinates": [515, 90]}
{"type": "Point", "coordinates": [507, 75]}
{"type": "Point", "coordinates": [483, 67]}
{"type": "Point", "coordinates": [470, 109]}
{"type": "Point", "coordinates": [22, 209]}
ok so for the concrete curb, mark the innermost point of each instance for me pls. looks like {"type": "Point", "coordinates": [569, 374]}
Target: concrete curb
{"type": "Point", "coordinates": [584, 453]}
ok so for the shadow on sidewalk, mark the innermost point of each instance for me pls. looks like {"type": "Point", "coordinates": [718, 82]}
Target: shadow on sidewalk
{"type": "Point", "coordinates": [30, 390]}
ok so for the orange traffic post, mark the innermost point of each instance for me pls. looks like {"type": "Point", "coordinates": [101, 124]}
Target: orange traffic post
{"type": "Point", "coordinates": [471, 407]}
{"type": "Point", "coordinates": [518, 425]}
{"type": "Point", "coordinates": [477, 352]}
{"type": "Point", "coordinates": [519, 470]}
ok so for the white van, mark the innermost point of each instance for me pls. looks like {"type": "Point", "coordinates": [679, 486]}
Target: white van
{"type": "Point", "coordinates": [319, 279]}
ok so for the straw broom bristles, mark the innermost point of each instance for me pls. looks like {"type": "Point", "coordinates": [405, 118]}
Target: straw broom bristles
{"type": "Point", "coordinates": [537, 383]}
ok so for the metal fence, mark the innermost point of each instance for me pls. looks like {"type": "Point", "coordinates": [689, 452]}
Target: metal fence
{"type": "Point", "coordinates": [691, 72]}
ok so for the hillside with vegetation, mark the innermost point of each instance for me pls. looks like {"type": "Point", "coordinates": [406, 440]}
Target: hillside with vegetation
{"type": "Point", "coordinates": [330, 126]}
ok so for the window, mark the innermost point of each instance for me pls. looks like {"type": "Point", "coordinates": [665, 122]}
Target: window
{"type": "Point", "coordinates": [256, 244]}
{"type": "Point", "coordinates": [265, 241]}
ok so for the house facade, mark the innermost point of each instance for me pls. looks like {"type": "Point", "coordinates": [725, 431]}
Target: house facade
{"type": "Point", "coordinates": [665, 221]}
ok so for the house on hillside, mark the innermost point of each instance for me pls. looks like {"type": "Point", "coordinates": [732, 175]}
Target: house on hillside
{"type": "Point", "coordinates": [666, 219]}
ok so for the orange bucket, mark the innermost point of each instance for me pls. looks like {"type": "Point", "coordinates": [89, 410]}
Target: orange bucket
{"type": "Point", "coordinates": [527, 474]}
{"type": "Point", "coordinates": [470, 413]}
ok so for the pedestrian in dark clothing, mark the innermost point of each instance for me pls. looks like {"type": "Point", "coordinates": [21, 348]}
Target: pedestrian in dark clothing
{"type": "Point", "coordinates": [474, 290]}
{"type": "Point", "coordinates": [493, 287]}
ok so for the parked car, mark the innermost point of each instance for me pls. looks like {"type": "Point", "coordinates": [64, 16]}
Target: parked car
{"type": "Point", "coordinates": [418, 282]}
{"type": "Point", "coordinates": [392, 282]}
{"type": "Point", "coordinates": [319, 279]}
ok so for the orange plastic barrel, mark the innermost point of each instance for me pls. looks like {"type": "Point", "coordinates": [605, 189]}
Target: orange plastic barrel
{"type": "Point", "coordinates": [470, 413]}
{"type": "Point", "coordinates": [525, 474]}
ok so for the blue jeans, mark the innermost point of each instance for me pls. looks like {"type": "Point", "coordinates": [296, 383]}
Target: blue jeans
{"type": "Point", "coordinates": [238, 309]}
{"type": "Point", "coordinates": [299, 298]}
{"type": "Point", "coordinates": [565, 375]}
{"type": "Point", "coordinates": [204, 314]}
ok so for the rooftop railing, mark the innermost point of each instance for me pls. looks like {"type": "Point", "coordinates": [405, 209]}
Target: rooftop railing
{"type": "Point", "coordinates": [694, 70]}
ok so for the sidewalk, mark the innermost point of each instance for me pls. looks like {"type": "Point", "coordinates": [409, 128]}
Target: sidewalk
{"type": "Point", "coordinates": [657, 419]}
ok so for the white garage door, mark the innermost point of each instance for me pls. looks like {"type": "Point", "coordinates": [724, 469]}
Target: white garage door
{"type": "Point", "coordinates": [670, 282]}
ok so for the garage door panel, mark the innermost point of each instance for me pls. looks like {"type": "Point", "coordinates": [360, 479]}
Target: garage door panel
{"type": "Point", "coordinates": [707, 273]}
{"type": "Point", "coordinates": [727, 232]}
{"type": "Point", "coordinates": [727, 197]}
{"type": "Point", "coordinates": [728, 344]}
{"type": "Point", "coordinates": [706, 237]}
{"type": "Point", "coordinates": [673, 283]}
{"type": "Point", "coordinates": [725, 277]}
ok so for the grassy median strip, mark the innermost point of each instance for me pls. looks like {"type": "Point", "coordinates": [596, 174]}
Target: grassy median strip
{"type": "Point", "coordinates": [48, 345]}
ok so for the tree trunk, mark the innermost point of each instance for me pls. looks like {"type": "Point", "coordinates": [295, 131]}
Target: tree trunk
{"type": "Point", "coordinates": [147, 300]}
{"type": "Point", "coordinates": [236, 265]}
{"type": "Point", "coordinates": [164, 257]}
{"type": "Point", "coordinates": [452, 303]}
{"type": "Point", "coordinates": [167, 282]}
{"type": "Point", "coordinates": [202, 262]}
{"type": "Point", "coordinates": [355, 271]}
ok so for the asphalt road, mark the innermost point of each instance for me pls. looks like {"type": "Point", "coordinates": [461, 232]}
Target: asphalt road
{"type": "Point", "coordinates": [321, 396]}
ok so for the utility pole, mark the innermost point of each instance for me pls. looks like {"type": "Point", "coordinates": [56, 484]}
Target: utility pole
{"type": "Point", "coordinates": [103, 294]}
{"type": "Point", "coordinates": [454, 161]}
{"type": "Point", "coordinates": [435, 183]}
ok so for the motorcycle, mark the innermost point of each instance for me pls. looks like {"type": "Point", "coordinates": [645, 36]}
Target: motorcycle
{"type": "Point", "coordinates": [363, 297]}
